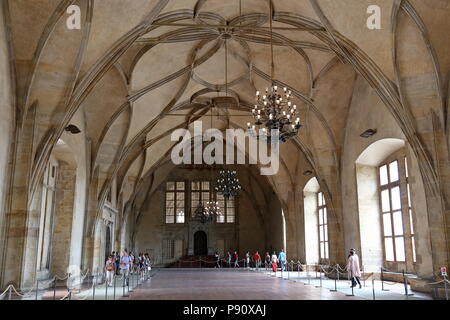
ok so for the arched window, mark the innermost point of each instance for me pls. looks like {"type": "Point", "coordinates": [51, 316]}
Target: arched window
{"type": "Point", "coordinates": [396, 209]}
{"type": "Point", "coordinates": [316, 223]}
{"type": "Point", "coordinates": [47, 213]}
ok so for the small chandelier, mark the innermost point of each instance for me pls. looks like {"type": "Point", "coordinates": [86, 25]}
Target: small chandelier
{"type": "Point", "coordinates": [227, 184]}
{"type": "Point", "coordinates": [276, 111]}
{"type": "Point", "coordinates": [207, 213]}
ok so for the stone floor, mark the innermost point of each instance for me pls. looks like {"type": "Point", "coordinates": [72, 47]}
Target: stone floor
{"type": "Point", "coordinates": [207, 284]}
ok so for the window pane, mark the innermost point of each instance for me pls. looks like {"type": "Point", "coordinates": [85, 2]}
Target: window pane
{"type": "Point", "coordinates": [383, 175]}
{"type": "Point", "coordinates": [180, 204]}
{"type": "Point", "coordinates": [180, 185]}
{"type": "Point", "coordinates": [413, 249]}
{"type": "Point", "coordinates": [409, 195]}
{"type": "Point", "coordinates": [180, 195]}
{"type": "Point", "coordinates": [320, 216]}
{"type": "Point", "coordinates": [195, 185]}
{"type": "Point", "coordinates": [387, 225]}
{"type": "Point", "coordinates": [325, 216]}
{"type": "Point", "coordinates": [169, 204]}
{"type": "Point", "coordinates": [393, 171]}
{"type": "Point", "coordinates": [325, 233]}
{"type": "Point", "coordinates": [326, 250]}
{"type": "Point", "coordinates": [320, 199]}
{"type": "Point", "coordinates": [170, 219]}
{"type": "Point", "coordinates": [398, 223]}
{"type": "Point", "coordinates": [322, 250]}
{"type": "Point", "coordinates": [170, 196]}
{"type": "Point", "coordinates": [205, 197]}
{"type": "Point", "coordinates": [180, 217]}
{"type": "Point", "coordinates": [400, 248]}
{"type": "Point", "coordinates": [406, 167]}
{"type": "Point", "coordinates": [389, 249]}
{"type": "Point", "coordinates": [170, 186]}
{"type": "Point", "coordinates": [221, 218]}
{"type": "Point", "coordinates": [385, 206]}
{"type": "Point", "coordinates": [195, 196]}
{"type": "Point", "coordinates": [230, 218]}
{"type": "Point", "coordinates": [411, 223]}
{"type": "Point", "coordinates": [396, 200]}
{"type": "Point", "coordinates": [205, 185]}
{"type": "Point", "coordinates": [320, 233]}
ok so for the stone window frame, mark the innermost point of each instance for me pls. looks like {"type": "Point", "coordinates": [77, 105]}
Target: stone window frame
{"type": "Point", "coordinates": [322, 225]}
{"type": "Point", "coordinates": [406, 209]}
{"type": "Point", "coordinates": [177, 191]}
{"type": "Point", "coordinates": [227, 204]}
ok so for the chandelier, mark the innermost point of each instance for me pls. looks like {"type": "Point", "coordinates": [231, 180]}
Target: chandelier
{"type": "Point", "coordinates": [206, 213]}
{"type": "Point", "coordinates": [274, 110]}
{"type": "Point", "coordinates": [227, 184]}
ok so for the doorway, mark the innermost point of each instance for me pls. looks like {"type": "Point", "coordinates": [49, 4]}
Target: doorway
{"type": "Point", "coordinates": [200, 243]}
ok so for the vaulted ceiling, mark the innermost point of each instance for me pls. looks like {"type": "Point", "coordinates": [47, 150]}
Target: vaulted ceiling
{"type": "Point", "coordinates": [128, 78]}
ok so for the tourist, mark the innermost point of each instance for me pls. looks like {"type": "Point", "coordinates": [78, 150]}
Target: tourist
{"type": "Point", "coordinates": [257, 259]}
{"type": "Point", "coordinates": [148, 263]}
{"type": "Point", "coordinates": [141, 266]}
{"type": "Point", "coordinates": [274, 262]}
{"type": "Point", "coordinates": [236, 259]}
{"type": "Point", "coordinates": [229, 259]}
{"type": "Point", "coordinates": [353, 268]}
{"type": "Point", "coordinates": [282, 259]}
{"type": "Point", "coordinates": [110, 268]}
{"type": "Point", "coordinates": [117, 260]}
{"type": "Point", "coordinates": [125, 265]}
{"type": "Point", "coordinates": [267, 261]}
{"type": "Point", "coordinates": [247, 259]}
{"type": "Point", "coordinates": [217, 259]}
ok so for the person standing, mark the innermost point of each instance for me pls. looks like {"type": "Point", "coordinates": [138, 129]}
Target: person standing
{"type": "Point", "coordinates": [125, 265]}
{"type": "Point", "coordinates": [229, 259]}
{"type": "Point", "coordinates": [282, 259]}
{"type": "Point", "coordinates": [257, 259]}
{"type": "Point", "coordinates": [274, 262]}
{"type": "Point", "coordinates": [217, 260]}
{"type": "Point", "coordinates": [117, 260]}
{"type": "Point", "coordinates": [247, 259]}
{"type": "Point", "coordinates": [236, 259]}
{"type": "Point", "coordinates": [110, 268]}
{"type": "Point", "coordinates": [268, 260]}
{"type": "Point", "coordinates": [353, 268]}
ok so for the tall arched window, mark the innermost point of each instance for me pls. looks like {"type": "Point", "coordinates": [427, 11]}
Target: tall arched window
{"type": "Point", "coordinates": [322, 216]}
{"type": "Point", "coordinates": [396, 209]}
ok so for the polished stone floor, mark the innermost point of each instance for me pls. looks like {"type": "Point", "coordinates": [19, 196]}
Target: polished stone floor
{"type": "Point", "coordinates": [210, 284]}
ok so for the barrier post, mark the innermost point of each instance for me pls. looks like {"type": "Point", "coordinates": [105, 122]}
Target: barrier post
{"type": "Point", "coordinates": [382, 281]}
{"type": "Point", "coordinates": [353, 292]}
{"type": "Point", "coordinates": [114, 293]}
{"type": "Point", "coordinates": [106, 289]}
{"type": "Point", "coordinates": [373, 287]}
{"type": "Point", "coordinates": [405, 283]}
{"type": "Point", "coordinates": [335, 280]}
{"type": "Point", "coordinates": [54, 288]}
{"type": "Point", "coordinates": [93, 287]}
{"type": "Point", "coordinates": [446, 287]}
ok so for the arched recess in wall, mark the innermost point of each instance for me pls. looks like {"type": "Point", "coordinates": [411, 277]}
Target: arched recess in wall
{"type": "Point", "coordinates": [391, 217]}
{"type": "Point", "coordinates": [310, 192]}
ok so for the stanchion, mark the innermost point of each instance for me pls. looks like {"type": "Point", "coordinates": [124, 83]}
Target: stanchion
{"type": "Point", "coordinates": [106, 289]}
{"type": "Point", "coordinates": [114, 292]}
{"type": "Point", "coordinates": [54, 288]}
{"type": "Point", "coordinates": [382, 281]}
{"type": "Point", "coordinates": [93, 286]}
{"type": "Point", "coordinates": [335, 280]}
{"type": "Point", "coordinates": [446, 287]}
{"type": "Point", "coordinates": [353, 287]}
{"type": "Point", "coordinates": [405, 283]}
{"type": "Point", "coordinates": [373, 287]}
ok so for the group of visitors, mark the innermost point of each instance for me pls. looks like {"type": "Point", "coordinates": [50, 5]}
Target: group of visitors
{"type": "Point", "coordinates": [270, 260]}
{"type": "Point", "coordinates": [117, 264]}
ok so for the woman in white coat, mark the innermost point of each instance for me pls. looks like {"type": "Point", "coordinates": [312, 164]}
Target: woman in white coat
{"type": "Point", "coordinates": [353, 268]}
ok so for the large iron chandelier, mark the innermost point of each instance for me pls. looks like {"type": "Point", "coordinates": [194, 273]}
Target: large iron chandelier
{"type": "Point", "coordinates": [228, 184]}
{"type": "Point", "coordinates": [274, 110]}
